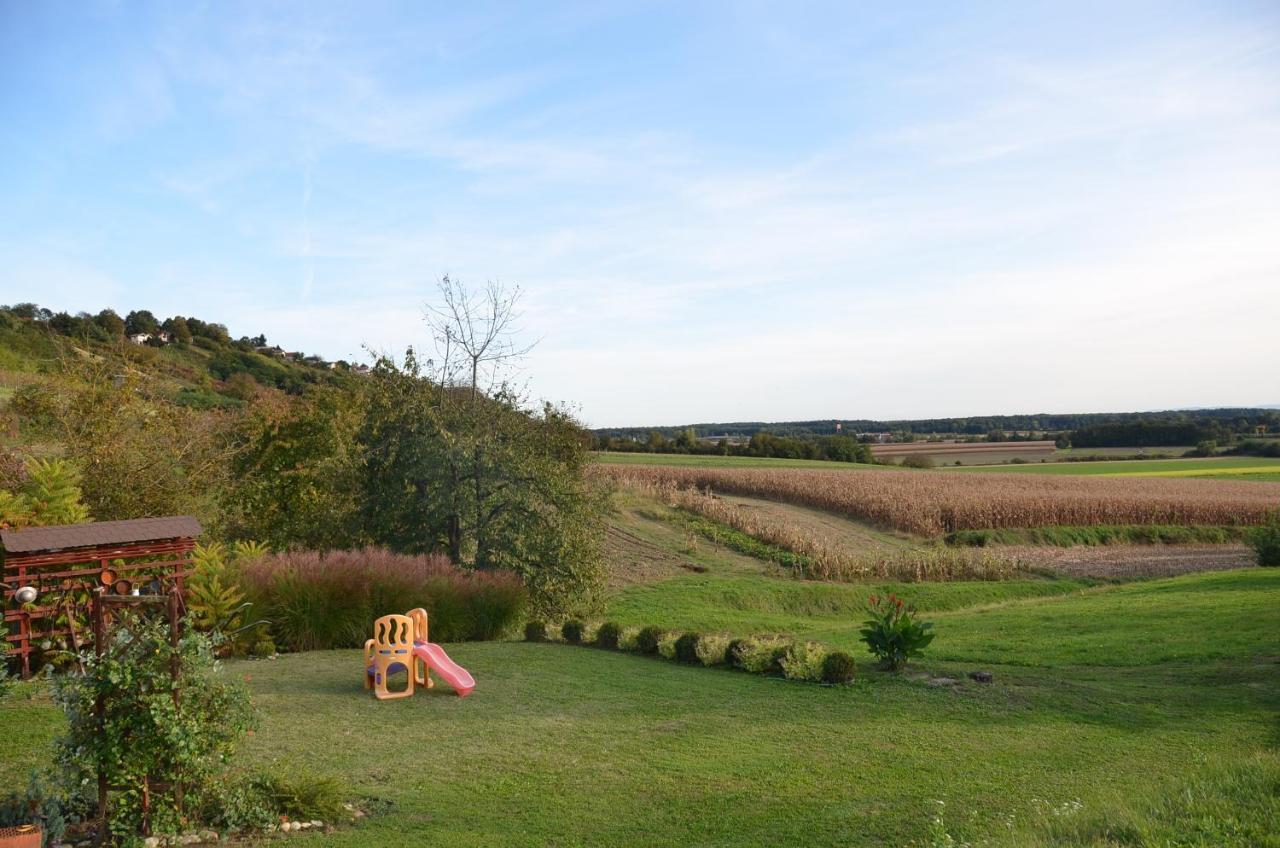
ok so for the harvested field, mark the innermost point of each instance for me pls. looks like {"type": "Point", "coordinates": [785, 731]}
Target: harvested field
{"type": "Point", "coordinates": [933, 503]}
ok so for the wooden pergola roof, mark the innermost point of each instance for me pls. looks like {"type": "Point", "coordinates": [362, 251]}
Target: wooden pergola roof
{"type": "Point", "coordinates": [70, 536]}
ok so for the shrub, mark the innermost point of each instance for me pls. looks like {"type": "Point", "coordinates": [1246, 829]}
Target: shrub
{"type": "Point", "coordinates": [143, 733]}
{"type": "Point", "coordinates": [837, 667]}
{"type": "Point", "coordinates": [762, 654]}
{"type": "Point", "coordinates": [535, 631]}
{"type": "Point", "coordinates": [667, 645]}
{"type": "Point", "coordinates": [713, 650]}
{"type": "Point", "coordinates": [572, 632]}
{"type": "Point", "coordinates": [733, 653]}
{"type": "Point", "coordinates": [892, 633]}
{"type": "Point", "coordinates": [647, 640]}
{"type": "Point", "coordinates": [686, 648]}
{"type": "Point", "coordinates": [917, 461]}
{"type": "Point", "coordinates": [319, 601]}
{"type": "Point", "coordinates": [803, 661]}
{"type": "Point", "coordinates": [304, 795]}
{"type": "Point", "coordinates": [608, 636]}
{"type": "Point", "coordinates": [1265, 541]}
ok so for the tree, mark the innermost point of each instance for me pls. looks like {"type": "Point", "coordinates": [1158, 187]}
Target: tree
{"type": "Point", "coordinates": [141, 321]}
{"type": "Point", "coordinates": [108, 320]}
{"type": "Point", "coordinates": [47, 491]}
{"type": "Point", "coordinates": [178, 328]}
{"type": "Point", "coordinates": [139, 454]}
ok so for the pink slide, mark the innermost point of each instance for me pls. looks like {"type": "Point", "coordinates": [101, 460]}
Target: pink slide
{"type": "Point", "coordinates": [448, 670]}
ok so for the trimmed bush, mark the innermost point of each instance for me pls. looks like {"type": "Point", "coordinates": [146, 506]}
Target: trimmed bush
{"type": "Point", "coordinates": [627, 640]}
{"type": "Point", "coordinates": [572, 632]}
{"type": "Point", "coordinates": [647, 640]}
{"type": "Point", "coordinates": [712, 650]}
{"type": "Point", "coordinates": [318, 601]}
{"type": "Point", "coordinates": [608, 636]}
{"type": "Point", "coordinates": [803, 661]}
{"type": "Point", "coordinates": [535, 631]}
{"type": "Point", "coordinates": [733, 653]}
{"type": "Point", "coordinates": [762, 654]}
{"type": "Point", "coordinates": [667, 646]}
{"type": "Point", "coordinates": [1265, 541]}
{"type": "Point", "coordinates": [686, 648]}
{"type": "Point", "coordinates": [837, 667]}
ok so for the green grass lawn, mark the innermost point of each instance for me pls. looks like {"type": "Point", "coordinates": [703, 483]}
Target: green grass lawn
{"type": "Point", "coordinates": [1227, 467]}
{"type": "Point", "coordinates": [1117, 697]}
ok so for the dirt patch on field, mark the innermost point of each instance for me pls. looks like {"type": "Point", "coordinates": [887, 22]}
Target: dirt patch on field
{"type": "Point", "coordinates": [1124, 561]}
{"type": "Point", "coordinates": [631, 560]}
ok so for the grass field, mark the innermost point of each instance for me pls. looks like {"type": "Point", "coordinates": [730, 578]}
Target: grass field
{"type": "Point", "coordinates": [1247, 468]}
{"type": "Point", "coordinates": [696, 461]}
{"type": "Point", "coordinates": [571, 746]}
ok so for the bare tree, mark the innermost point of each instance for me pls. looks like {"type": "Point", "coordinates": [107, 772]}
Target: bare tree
{"type": "Point", "coordinates": [475, 335]}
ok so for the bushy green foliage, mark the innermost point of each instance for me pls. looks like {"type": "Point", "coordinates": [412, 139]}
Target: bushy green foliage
{"type": "Point", "coordinates": [804, 661]}
{"type": "Point", "coordinates": [535, 631]}
{"type": "Point", "coordinates": [45, 492]}
{"type": "Point", "coordinates": [686, 648]}
{"type": "Point", "coordinates": [609, 635]}
{"type": "Point", "coordinates": [1265, 541]}
{"type": "Point", "coordinates": [712, 649]}
{"type": "Point", "coordinates": [762, 654]}
{"type": "Point", "coordinates": [837, 667]}
{"type": "Point", "coordinates": [733, 652]}
{"type": "Point", "coordinates": [145, 730]}
{"type": "Point", "coordinates": [892, 632]}
{"type": "Point", "coordinates": [305, 795]}
{"type": "Point", "coordinates": [44, 803]}
{"type": "Point", "coordinates": [572, 631]}
{"type": "Point", "coordinates": [319, 601]}
{"type": "Point", "coordinates": [647, 640]}
{"type": "Point", "coordinates": [917, 461]}
{"type": "Point", "coordinates": [667, 645]}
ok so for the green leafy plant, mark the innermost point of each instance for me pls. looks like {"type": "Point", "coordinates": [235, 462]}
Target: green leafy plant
{"type": "Point", "coordinates": [837, 667]}
{"type": "Point", "coordinates": [647, 640]}
{"type": "Point", "coordinates": [712, 649]}
{"type": "Point", "coordinates": [762, 654]}
{"type": "Point", "coordinates": [45, 804]}
{"type": "Point", "coordinates": [608, 636]}
{"type": "Point", "coordinates": [572, 632]}
{"type": "Point", "coordinates": [686, 648]}
{"type": "Point", "coordinates": [535, 631]}
{"type": "Point", "coordinates": [892, 632]}
{"type": "Point", "coordinates": [48, 493]}
{"type": "Point", "coordinates": [1265, 541]}
{"type": "Point", "coordinates": [153, 726]}
{"type": "Point", "coordinates": [803, 661]}
{"type": "Point", "coordinates": [306, 795]}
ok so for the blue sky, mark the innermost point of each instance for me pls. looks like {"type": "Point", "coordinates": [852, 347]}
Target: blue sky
{"type": "Point", "coordinates": [717, 211]}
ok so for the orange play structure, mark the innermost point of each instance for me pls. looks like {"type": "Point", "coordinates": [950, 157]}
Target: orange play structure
{"type": "Point", "coordinates": [400, 643]}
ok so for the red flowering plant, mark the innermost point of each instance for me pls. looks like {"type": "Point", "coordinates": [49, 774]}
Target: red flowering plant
{"type": "Point", "coordinates": [892, 632]}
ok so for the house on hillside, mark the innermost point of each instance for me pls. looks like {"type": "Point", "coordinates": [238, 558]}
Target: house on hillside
{"type": "Point", "coordinates": [143, 338]}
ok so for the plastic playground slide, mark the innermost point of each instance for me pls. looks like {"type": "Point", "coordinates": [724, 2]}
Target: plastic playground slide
{"type": "Point", "coordinates": [448, 670]}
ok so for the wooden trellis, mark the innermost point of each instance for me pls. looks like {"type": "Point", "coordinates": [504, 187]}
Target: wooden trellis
{"type": "Point", "coordinates": [66, 565]}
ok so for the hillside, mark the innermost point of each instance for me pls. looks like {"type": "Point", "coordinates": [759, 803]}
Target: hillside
{"type": "Point", "coordinates": [199, 364]}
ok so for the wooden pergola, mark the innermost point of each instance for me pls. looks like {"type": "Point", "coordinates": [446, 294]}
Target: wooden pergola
{"type": "Point", "coordinates": [66, 564]}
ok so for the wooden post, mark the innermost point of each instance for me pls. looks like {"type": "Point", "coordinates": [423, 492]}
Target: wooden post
{"type": "Point", "coordinates": [100, 711]}
{"type": "Point", "coordinates": [175, 668]}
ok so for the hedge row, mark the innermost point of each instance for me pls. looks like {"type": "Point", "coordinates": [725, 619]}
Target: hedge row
{"type": "Point", "coordinates": [760, 654]}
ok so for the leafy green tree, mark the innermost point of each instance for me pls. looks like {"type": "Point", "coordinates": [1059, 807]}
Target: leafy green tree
{"type": "Point", "coordinates": [141, 321]}
{"type": "Point", "coordinates": [108, 320]}
{"type": "Point", "coordinates": [178, 328]}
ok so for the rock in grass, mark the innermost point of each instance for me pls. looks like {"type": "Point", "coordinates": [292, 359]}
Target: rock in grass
{"type": "Point", "coordinates": [981, 676]}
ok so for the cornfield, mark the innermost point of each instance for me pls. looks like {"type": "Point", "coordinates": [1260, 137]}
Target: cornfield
{"type": "Point", "coordinates": [829, 560]}
{"type": "Point", "coordinates": [933, 503]}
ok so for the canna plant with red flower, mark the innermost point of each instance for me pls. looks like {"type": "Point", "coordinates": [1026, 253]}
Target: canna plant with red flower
{"type": "Point", "coordinates": [892, 632]}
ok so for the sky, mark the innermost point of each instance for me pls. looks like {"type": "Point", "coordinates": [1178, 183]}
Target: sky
{"type": "Point", "coordinates": [715, 211]}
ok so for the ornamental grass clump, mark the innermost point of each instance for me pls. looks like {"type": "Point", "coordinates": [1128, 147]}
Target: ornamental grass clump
{"type": "Point", "coordinates": [608, 635]}
{"type": "Point", "coordinates": [892, 632]}
{"type": "Point", "coordinates": [686, 648]}
{"type": "Point", "coordinates": [803, 661]}
{"type": "Point", "coordinates": [320, 601]}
